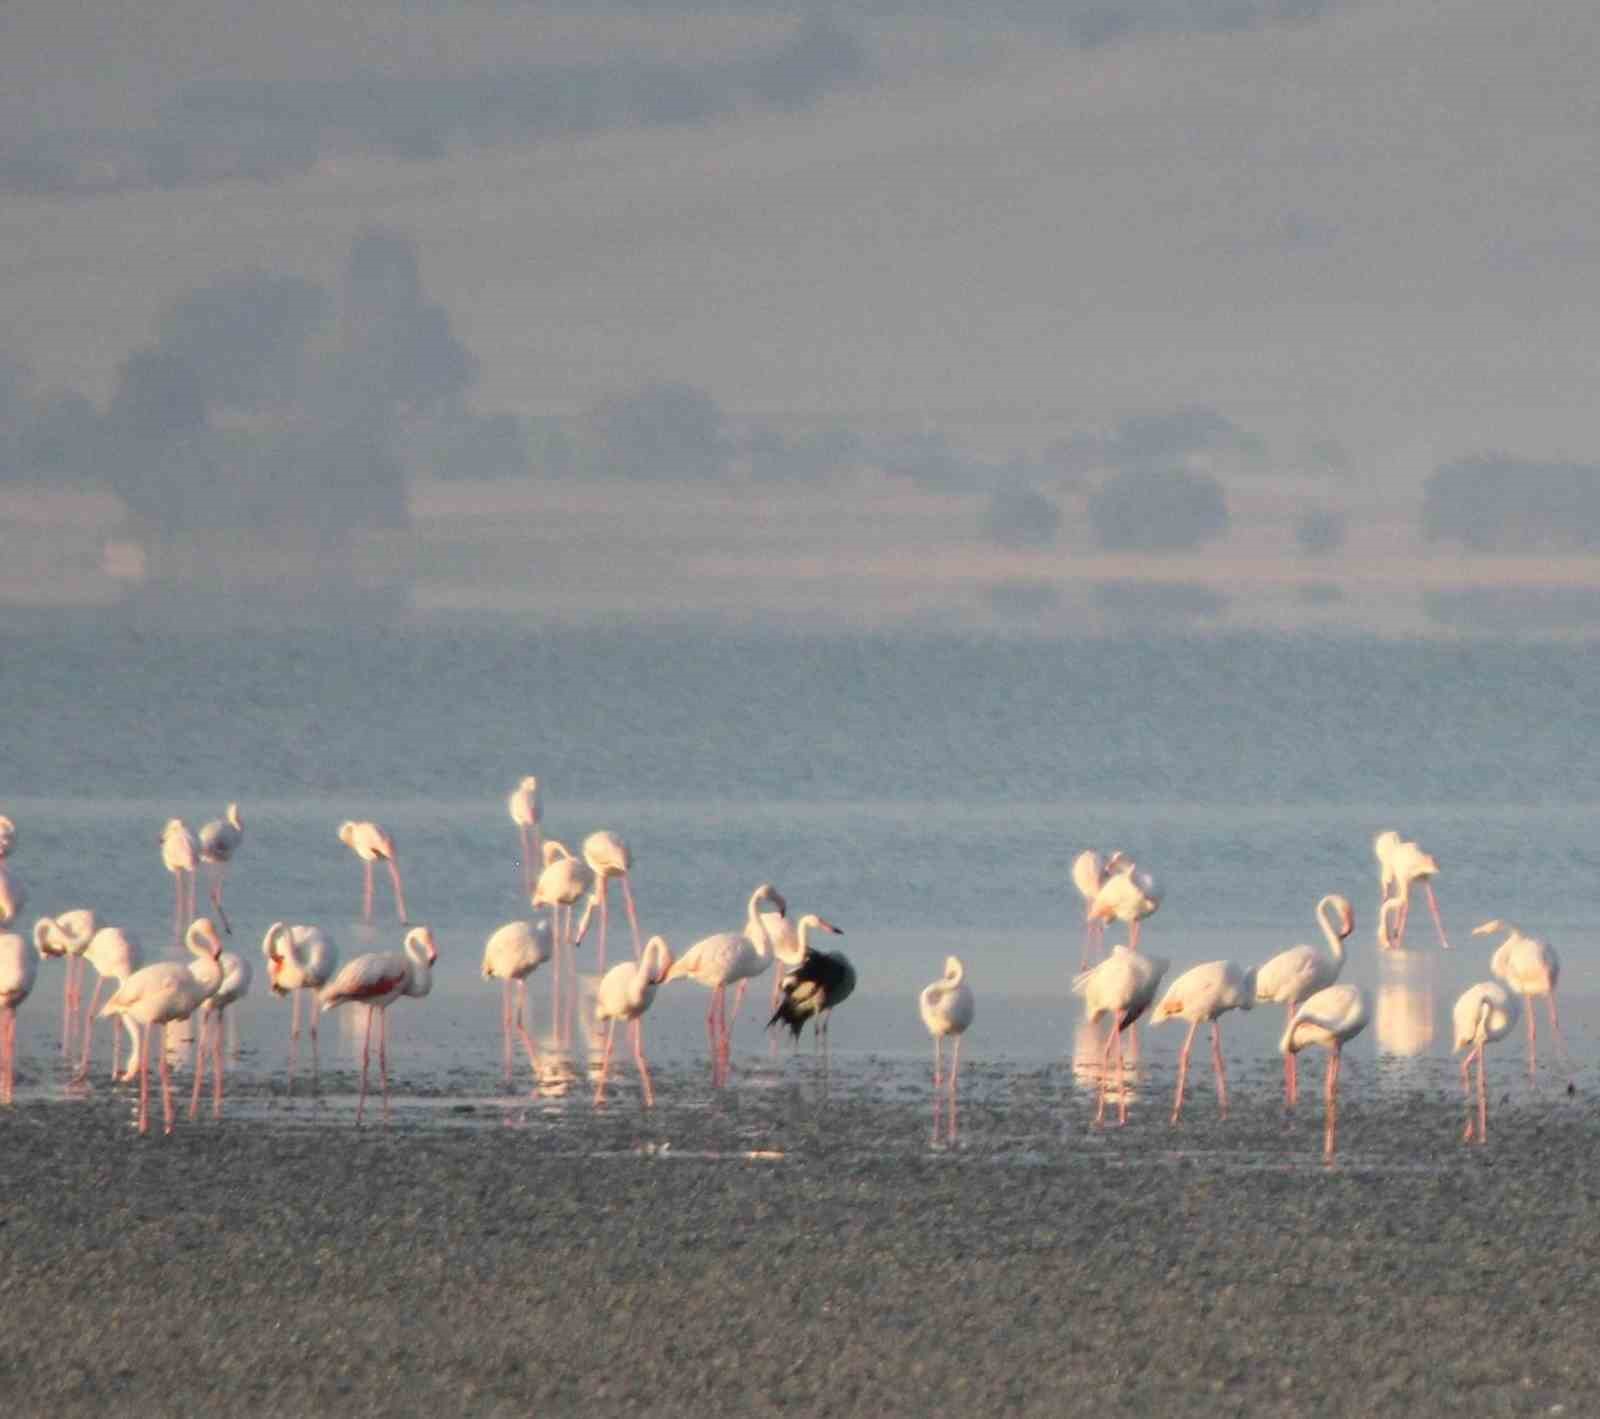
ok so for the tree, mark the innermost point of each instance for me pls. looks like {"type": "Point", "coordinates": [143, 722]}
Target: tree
{"type": "Point", "coordinates": [159, 395]}
{"type": "Point", "coordinates": [1020, 518]}
{"type": "Point", "coordinates": [1495, 503]}
{"type": "Point", "coordinates": [1157, 510]}
{"type": "Point", "coordinates": [661, 432]}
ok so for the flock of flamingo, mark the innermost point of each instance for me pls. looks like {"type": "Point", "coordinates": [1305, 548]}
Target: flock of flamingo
{"type": "Point", "coordinates": [301, 959]}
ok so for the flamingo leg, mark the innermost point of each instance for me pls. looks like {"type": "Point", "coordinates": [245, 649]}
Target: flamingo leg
{"type": "Point", "coordinates": [1183, 1070]}
{"type": "Point", "coordinates": [167, 1116]}
{"type": "Point", "coordinates": [1466, 1089]}
{"type": "Point", "coordinates": [633, 916]}
{"type": "Point", "coordinates": [505, 1030]}
{"type": "Point", "coordinates": [955, 1071]}
{"type": "Point", "coordinates": [217, 1034]}
{"type": "Point", "coordinates": [522, 1030]}
{"type": "Point", "coordinates": [316, 1051]}
{"type": "Point", "coordinates": [605, 1063]}
{"type": "Point", "coordinates": [600, 951]}
{"type": "Point", "coordinates": [144, 1079]}
{"type": "Point", "coordinates": [399, 891]}
{"type": "Point", "coordinates": [1331, 1132]}
{"type": "Point", "coordinates": [1483, 1098]}
{"type": "Point", "coordinates": [938, 1060]}
{"type": "Point", "coordinates": [1105, 1068]}
{"type": "Point", "coordinates": [366, 1051]}
{"type": "Point", "coordinates": [524, 833]}
{"type": "Point", "coordinates": [216, 896]}
{"type": "Point", "coordinates": [88, 1032]}
{"type": "Point", "coordinates": [1438, 921]}
{"type": "Point", "coordinates": [1533, 1042]}
{"type": "Point", "coordinates": [643, 1068]}
{"type": "Point", "coordinates": [202, 1039]}
{"type": "Point", "coordinates": [383, 1060]}
{"type": "Point", "coordinates": [1133, 935]}
{"type": "Point", "coordinates": [366, 891]}
{"type": "Point", "coordinates": [294, 1034]}
{"type": "Point", "coordinates": [1555, 1026]}
{"type": "Point", "coordinates": [1222, 1073]}
{"type": "Point", "coordinates": [8, 1046]}
{"type": "Point", "coordinates": [713, 1012]}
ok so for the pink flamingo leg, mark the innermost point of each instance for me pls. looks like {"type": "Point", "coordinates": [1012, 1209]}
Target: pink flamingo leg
{"type": "Point", "coordinates": [1555, 1025]}
{"type": "Point", "coordinates": [1105, 1068]}
{"type": "Point", "coordinates": [1222, 1074]}
{"type": "Point", "coordinates": [639, 1063]}
{"type": "Point", "coordinates": [1533, 1039]}
{"type": "Point", "coordinates": [316, 1048]}
{"type": "Point", "coordinates": [1438, 921]}
{"type": "Point", "coordinates": [633, 917]}
{"type": "Point", "coordinates": [955, 1074]}
{"type": "Point", "coordinates": [1183, 1071]}
{"type": "Point", "coordinates": [1335, 1059]}
{"type": "Point", "coordinates": [294, 1034]}
{"type": "Point", "coordinates": [218, 1031]}
{"type": "Point", "coordinates": [144, 1079]}
{"type": "Point", "coordinates": [8, 1049]}
{"type": "Point", "coordinates": [605, 1064]}
{"type": "Point", "coordinates": [522, 1030]}
{"type": "Point", "coordinates": [200, 1050]}
{"type": "Point", "coordinates": [712, 1038]}
{"type": "Point", "coordinates": [1483, 1100]}
{"type": "Point", "coordinates": [168, 1114]}
{"type": "Point", "coordinates": [399, 892]}
{"type": "Point", "coordinates": [383, 1060]}
{"type": "Point", "coordinates": [366, 1053]}
{"type": "Point", "coordinates": [88, 1032]}
{"type": "Point", "coordinates": [938, 1060]}
{"type": "Point", "coordinates": [366, 890]}
{"type": "Point", "coordinates": [1466, 1089]}
{"type": "Point", "coordinates": [525, 832]}
{"type": "Point", "coordinates": [600, 951]}
{"type": "Point", "coordinates": [505, 1029]}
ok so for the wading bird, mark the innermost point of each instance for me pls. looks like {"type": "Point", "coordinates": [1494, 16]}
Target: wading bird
{"type": "Point", "coordinates": [1127, 895]}
{"type": "Point", "coordinates": [563, 882]}
{"type": "Point", "coordinates": [1293, 975]}
{"type": "Point", "coordinates": [1483, 1013]}
{"type": "Point", "coordinates": [1530, 967]}
{"type": "Point", "coordinates": [947, 1008]}
{"type": "Point", "coordinates": [812, 991]}
{"type": "Point", "coordinates": [219, 840]}
{"type": "Point", "coordinates": [1089, 875]}
{"type": "Point", "coordinates": [1400, 864]}
{"type": "Point", "coordinates": [523, 805]}
{"type": "Point", "coordinates": [377, 980]}
{"type": "Point", "coordinates": [1201, 994]}
{"type": "Point", "coordinates": [608, 857]}
{"type": "Point", "coordinates": [1330, 1018]}
{"type": "Point", "coordinates": [115, 955]}
{"type": "Point", "coordinates": [180, 857]}
{"type": "Point", "coordinates": [19, 964]}
{"type": "Point", "coordinates": [512, 953]}
{"type": "Point", "coordinates": [162, 993]}
{"type": "Point", "coordinates": [1121, 986]}
{"type": "Point", "coordinates": [372, 844]}
{"type": "Point", "coordinates": [300, 958]}
{"type": "Point", "coordinates": [236, 977]}
{"type": "Point", "coordinates": [66, 937]}
{"type": "Point", "coordinates": [626, 991]}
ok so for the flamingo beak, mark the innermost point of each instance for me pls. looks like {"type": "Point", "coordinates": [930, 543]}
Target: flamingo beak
{"type": "Point", "coordinates": [837, 931]}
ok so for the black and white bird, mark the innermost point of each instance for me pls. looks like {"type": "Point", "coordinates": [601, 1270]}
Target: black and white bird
{"type": "Point", "coordinates": [811, 991]}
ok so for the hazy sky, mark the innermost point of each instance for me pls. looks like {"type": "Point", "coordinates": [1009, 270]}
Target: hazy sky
{"type": "Point", "coordinates": [1379, 225]}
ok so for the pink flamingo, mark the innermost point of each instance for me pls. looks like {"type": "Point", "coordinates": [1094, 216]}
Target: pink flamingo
{"type": "Point", "coordinates": [523, 805]}
{"type": "Point", "coordinates": [115, 955]}
{"type": "Point", "coordinates": [1204, 993]}
{"type": "Point", "coordinates": [512, 953]}
{"type": "Point", "coordinates": [626, 991]}
{"type": "Point", "coordinates": [372, 844]}
{"type": "Point", "coordinates": [219, 840]}
{"type": "Point", "coordinates": [300, 958]}
{"type": "Point", "coordinates": [18, 967]}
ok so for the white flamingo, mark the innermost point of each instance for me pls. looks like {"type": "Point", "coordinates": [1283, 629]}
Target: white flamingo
{"type": "Point", "coordinates": [1301, 971]}
{"type": "Point", "coordinates": [947, 1008]}
{"type": "Point", "coordinates": [1530, 967]}
{"type": "Point", "coordinates": [371, 844]}
{"type": "Point", "coordinates": [219, 841]}
{"type": "Point", "coordinates": [1089, 875]}
{"type": "Point", "coordinates": [1483, 1013]}
{"type": "Point", "coordinates": [563, 882]}
{"type": "Point", "coordinates": [377, 980]}
{"type": "Point", "coordinates": [523, 805]}
{"type": "Point", "coordinates": [18, 967]}
{"type": "Point", "coordinates": [1330, 1019]}
{"type": "Point", "coordinates": [719, 960]}
{"type": "Point", "coordinates": [1121, 986]}
{"type": "Point", "coordinates": [1127, 895]}
{"type": "Point", "coordinates": [1201, 994]}
{"type": "Point", "coordinates": [626, 991]}
{"type": "Point", "coordinates": [66, 937]}
{"type": "Point", "coordinates": [235, 983]}
{"type": "Point", "coordinates": [115, 955]}
{"type": "Point", "coordinates": [300, 958]}
{"type": "Point", "coordinates": [512, 953]}
{"type": "Point", "coordinates": [180, 857]}
{"type": "Point", "coordinates": [1400, 864]}
{"type": "Point", "coordinates": [12, 897]}
{"type": "Point", "coordinates": [608, 857]}
{"type": "Point", "coordinates": [162, 993]}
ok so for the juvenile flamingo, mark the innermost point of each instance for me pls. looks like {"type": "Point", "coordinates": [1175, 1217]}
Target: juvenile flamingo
{"type": "Point", "coordinates": [1483, 1013]}
{"type": "Point", "coordinates": [162, 993]}
{"type": "Point", "coordinates": [1330, 1018]}
{"type": "Point", "coordinates": [626, 991]}
{"type": "Point", "coordinates": [512, 953]}
{"type": "Point", "coordinates": [1205, 993]}
{"type": "Point", "coordinates": [219, 841]}
{"type": "Point", "coordinates": [377, 980]}
{"type": "Point", "coordinates": [300, 958]}
{"type": "Point", "coordinates": [1121, 986]}
{"type": "Point", "coordinates": [372, 844]}
{"type": "Point", "coordinates": [947, 1008]}
{"type": "Point", "coordinates": [523, 805]}
{"type": "Point", "coordinates": [18, 967]}
{"type": "Point", "coordinates": [236, 978]}
{"type": "Point", "coordinates": [1301, 971]}
{"type": "Point", "coordinates": [1530, 967]}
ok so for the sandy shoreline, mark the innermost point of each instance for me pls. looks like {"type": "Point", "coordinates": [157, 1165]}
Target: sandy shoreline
{"type": "Point", "coordinates": [254, 1267]}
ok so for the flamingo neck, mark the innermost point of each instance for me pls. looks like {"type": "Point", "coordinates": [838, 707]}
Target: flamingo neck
{"type": "Point", "coordinates": [755, 928]}
{"type": "Point", "coordinates": [1335, 941]}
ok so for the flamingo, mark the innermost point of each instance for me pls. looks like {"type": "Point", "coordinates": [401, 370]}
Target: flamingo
{"type": "Point", "coordinates": [1400, 863]}
{"type": "Point", "coordinates": [236, 978]}
{"type": "Point", "coordinates": [18, 967]}
{"type": "Point", "coordinates": [717, 961]}
{"type": "Point", "coordinates": [115, 955]}
{"type": "Point", "coordinates": [1301, 971]}
{"type": "Point", "coordinates": [219, 840]}
{"type": "Point", "coordinates": [162, 993]}
{"type": "Point", "coordinates": [179, 856]}
{"type": "Point", "coordinates": [626, 991]}
{"type": "Point", "coordinates": [1205, 993]}
{"type": "Point", "coordinates": [1530, 967]}
{"type": "Point", "coordinates": [512, 953]}
{"type": "Point", "coordinates": [811, 991]}
{"type": "Point", "coordinates": [947, 1008]}
{"type": "Point", "coordinates": [67, 936]}
{"type": "Point", "coordinates": [372, 844]}
{"type": "Point", "coordinates": [1089, 875]}
{"type": "Point", "coordinates": [608, 857]}
{"type": "Point", "coordinates": [377, 980]}
{"type": "Point", "coordinates": [523, 805]}
{"type": "Point", "coordinates": [1122, 986]}
{"type": "Point", "coordinates": [12, 897]}
{"type": "Point", "coordinates": [563, 881]}
{"type": "Point", "coordinates": [1127, 895]}
{"type": "Point", "coordinates": [1330, 1018]}
{"type": "Point", "coordinates": [1483, 1013]}
{"type": "Point", "coordinates": [8, 836]}
{"type": "Point", "coordinates": [299, 958]}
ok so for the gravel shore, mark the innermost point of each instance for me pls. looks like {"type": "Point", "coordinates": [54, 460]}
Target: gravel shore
{"type": "Point", "coordinates": [617, 1262]}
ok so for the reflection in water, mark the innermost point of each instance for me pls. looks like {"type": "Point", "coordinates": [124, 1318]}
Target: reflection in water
{"type": "Point", "coordinates": [1089, 1041]}
{"type": "Point", "coordinates": [1406, 981]}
